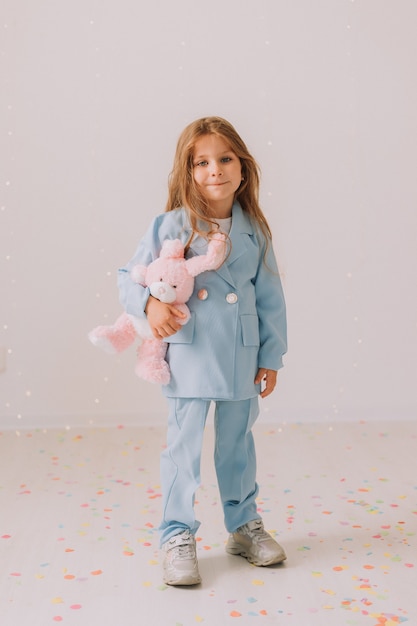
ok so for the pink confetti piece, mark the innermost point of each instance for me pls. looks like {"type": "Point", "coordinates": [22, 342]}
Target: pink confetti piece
{"type": "Point", "coordinates": [57, 618]}
{"type": "Point", "coordinates": [6, 536]}
{"type": "Point", "coordinates": [76, 607]}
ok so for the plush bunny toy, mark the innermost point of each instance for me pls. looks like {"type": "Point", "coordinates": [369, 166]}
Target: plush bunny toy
{"type": "Point", "coordinates": [170, 279]}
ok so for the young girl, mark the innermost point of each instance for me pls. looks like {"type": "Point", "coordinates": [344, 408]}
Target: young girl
{"type": "Point", "coordinates": [230, 350]}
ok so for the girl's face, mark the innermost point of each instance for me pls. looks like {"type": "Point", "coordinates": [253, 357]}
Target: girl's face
{"type": "Point", "coordinates": [217, 172]}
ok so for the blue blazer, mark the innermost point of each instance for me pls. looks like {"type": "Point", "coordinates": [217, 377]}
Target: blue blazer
{"type": "Point", "coordinates": [238, 326]}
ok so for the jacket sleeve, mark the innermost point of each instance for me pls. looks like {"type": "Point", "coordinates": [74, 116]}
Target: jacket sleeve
{"type": "Point", "coordinates": [270, 304]}
{"type": "Point", "coordinates": [133, 297]}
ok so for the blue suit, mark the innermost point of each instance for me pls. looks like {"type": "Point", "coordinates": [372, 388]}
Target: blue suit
{"type": "Point", "coordinates": [237, 325]}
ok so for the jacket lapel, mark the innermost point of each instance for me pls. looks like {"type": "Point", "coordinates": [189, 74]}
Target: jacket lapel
{"type": "Point", "coordinates": [241, 226]}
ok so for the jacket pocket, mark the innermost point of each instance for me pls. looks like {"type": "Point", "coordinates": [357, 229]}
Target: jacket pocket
{"type": "Point", "coordinates": [184, 334]}
{"type": "Point", "coordinates": [250, 330]}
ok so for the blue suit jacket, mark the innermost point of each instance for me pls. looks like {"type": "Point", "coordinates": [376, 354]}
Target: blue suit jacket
{"type": "Point", "coordinates": [239, 327]}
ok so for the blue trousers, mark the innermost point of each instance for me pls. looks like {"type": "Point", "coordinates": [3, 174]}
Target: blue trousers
{"type": "Point", "coordinates": [234, 458]}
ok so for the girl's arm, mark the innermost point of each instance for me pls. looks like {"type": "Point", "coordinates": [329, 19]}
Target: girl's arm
{"type": "Point", "coordinates": [162, 318]}
{"type": "Point", "coordinates": [270, 304]}
{"type": "Point", "coordinates": [135, 298]}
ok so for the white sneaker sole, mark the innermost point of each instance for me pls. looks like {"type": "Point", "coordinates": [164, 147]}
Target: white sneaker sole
{"type": "Point", "coordinates": [182, 581]}
{"type": "Point", "coordinates": [237, 550]}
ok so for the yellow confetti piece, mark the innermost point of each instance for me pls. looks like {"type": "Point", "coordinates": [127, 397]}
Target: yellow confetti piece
{"type": "Point", "coordinates": [258, 582]}
{"type": "Point", "coordinates": [329, 592]}
{"type": "Point", "coordinates": [317, 574]}
{"type": "Point", "coordinates": [153, 562]}
{"type": "Point", "coordinates": [199, 619]}
{"type": "Point", "coordinates": [147, 583]}
{"type": "Point", "coordinates": [57, 601]}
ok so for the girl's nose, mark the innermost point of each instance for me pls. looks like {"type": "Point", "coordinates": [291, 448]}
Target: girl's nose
{"type": "Point", "coordinates": [216, 170]}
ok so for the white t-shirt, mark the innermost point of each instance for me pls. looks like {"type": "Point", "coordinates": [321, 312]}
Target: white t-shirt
{"type": "Point", "coordinates": [225, 224]}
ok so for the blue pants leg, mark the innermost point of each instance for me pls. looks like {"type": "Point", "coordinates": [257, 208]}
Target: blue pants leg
{"type": "Point", "coordinates": [180, 465]}
{"type": "Point", "coordinates": [234, 457]}
{"type": "Point", "coordinates": [235, 460]}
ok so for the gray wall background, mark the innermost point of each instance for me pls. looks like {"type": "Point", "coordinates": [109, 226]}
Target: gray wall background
{"type": "Point", "coordinates": [94, 96]}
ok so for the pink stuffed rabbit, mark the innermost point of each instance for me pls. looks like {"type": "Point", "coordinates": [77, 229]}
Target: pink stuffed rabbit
{"type": "Point", "coordinates": [170, 278]}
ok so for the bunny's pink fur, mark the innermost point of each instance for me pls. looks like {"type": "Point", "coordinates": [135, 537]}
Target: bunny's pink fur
{"type": "Point", "coordinates": [170, 278]}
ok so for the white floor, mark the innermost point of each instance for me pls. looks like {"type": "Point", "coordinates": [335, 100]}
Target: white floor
{"type": "Point", "coordinates": [79, 546]}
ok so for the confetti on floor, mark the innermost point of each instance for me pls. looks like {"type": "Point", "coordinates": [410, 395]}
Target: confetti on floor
{"type": "Point", "coordinates": [79, 512]}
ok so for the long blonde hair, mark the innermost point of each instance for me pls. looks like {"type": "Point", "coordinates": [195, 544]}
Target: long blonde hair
{"type": "Point", "coordinates": [183, 191]}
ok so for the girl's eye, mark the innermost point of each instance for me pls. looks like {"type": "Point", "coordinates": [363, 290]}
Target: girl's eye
{"type": "Point", "coordinates": [226, 159]}
{"type": "Point", "coordinates": [202, 163]}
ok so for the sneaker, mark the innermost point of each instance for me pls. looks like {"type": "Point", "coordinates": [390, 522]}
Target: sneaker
{"type": "Point", "coordinates": [255, 544]}
{"type": "Point", "coordinates": [180, 560]}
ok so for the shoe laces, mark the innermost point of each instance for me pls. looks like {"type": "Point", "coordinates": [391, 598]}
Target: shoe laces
{"type": "Point", "coordinates": [184, 549]}
{"type": "Point", "coordinates": [256, 532]}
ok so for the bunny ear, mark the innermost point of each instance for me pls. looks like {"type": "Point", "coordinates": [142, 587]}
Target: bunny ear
{"type": "Point", "coordinates": [138, 273]}
{"type": "Point", "coordinates": [172, 249]}
{"type": "Point", "coordinates": [216, 254]}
